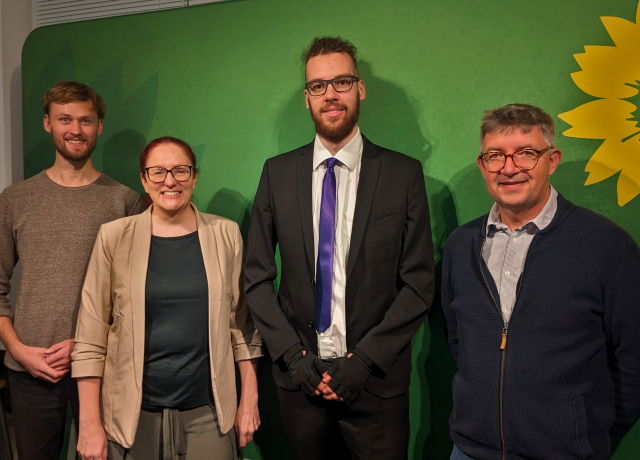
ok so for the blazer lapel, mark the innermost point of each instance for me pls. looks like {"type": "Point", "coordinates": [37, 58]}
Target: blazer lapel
{"type": "Point", "coordinates": [139, 265]}
{"type": "Point", "coordinates": [209, 247]}
{"type": "Point", "coordinates": [369, 172]}
{"type": "Point", "coordinates": [304, 174]}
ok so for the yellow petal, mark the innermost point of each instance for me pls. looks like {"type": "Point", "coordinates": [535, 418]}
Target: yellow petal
{"type": "Point", "coordinates": [625, 34]}
{"type": "Point", "coordinates": [601, 119]}
{"type": "Point", "coordinates": [604, 163]}
{"type": "Point", "coordinates": [607, 71]}
{"type": "Point", "coordinates": [628, 188]}
{"type": "Point", "coordinates": [614, 156]}
{"type": "Point", "coordinates": [629, 181]}
{"type": "Point", "coordinates": [611, 73]}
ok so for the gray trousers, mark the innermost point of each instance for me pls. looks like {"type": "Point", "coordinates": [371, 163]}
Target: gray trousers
{"type": "Point", "coordinates": [178, 435]}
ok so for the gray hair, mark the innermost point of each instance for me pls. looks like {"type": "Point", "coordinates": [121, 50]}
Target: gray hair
{"type": "Point", "coordinates": [518, 117]}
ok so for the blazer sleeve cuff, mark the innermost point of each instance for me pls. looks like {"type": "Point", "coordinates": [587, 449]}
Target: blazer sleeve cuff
{"type": "Point", "coordinates": [89, 368]}
{"type": "Point", "coordinates": [88, 361]}
{"type": "Point", "coordinates": [250, 351]}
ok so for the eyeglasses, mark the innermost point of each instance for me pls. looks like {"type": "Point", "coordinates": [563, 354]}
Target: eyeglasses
{"type": "Point", "coordinates": [524, 160]}
{"type": "Point", "coordinates": [340, 84]}
{"type": "Point", "coordinates": [180, 173]}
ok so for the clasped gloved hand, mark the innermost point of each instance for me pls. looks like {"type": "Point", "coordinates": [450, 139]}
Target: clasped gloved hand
{"type": "Point", "coordinates": [305, 368]}
{"type": "Point", "coordinates": [349, 375]}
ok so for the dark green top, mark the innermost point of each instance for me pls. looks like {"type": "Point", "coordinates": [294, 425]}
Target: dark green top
{"type": "Point", "coordinates": [176, 360]}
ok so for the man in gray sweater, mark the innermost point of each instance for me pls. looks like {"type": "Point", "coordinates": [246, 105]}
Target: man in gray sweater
{"type": "Point", "coordinates": [49, 222]}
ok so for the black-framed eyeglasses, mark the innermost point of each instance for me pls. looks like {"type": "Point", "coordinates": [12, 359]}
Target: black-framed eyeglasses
{"type": "Point", "coordinates": [524, 160]}
{"type": "Point", "coordinates": [180, 173]}
{"type": "Point", "coordinates": [340, 84]}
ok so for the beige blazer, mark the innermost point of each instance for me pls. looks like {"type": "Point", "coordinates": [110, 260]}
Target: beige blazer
{"type": "Point", "coordinates": [110, 332]}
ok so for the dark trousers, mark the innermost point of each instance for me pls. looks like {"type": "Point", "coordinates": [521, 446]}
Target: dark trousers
{"type": "Point", "coordinates": [40, 414]}
{"type": "Point", "coordinates": [369, 428]}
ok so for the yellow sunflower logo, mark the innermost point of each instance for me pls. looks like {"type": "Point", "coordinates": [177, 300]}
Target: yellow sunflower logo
{"type": "Point", "coordinates": [611, 73]}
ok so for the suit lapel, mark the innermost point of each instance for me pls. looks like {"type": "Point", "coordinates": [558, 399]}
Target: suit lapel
{"type": "Point", "coordinates": [304, 174]}
{"type": "Point", "coordinates": [369, 172]}
{"type": "Point", "coordinates": [139, 265]}
{"type": "Point", "coordinates": [209, 248]}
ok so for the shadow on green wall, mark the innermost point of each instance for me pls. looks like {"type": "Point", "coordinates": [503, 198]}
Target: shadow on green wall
{"type": "Point", "coordinates": [57, 68]}
{"type": "Point", "coordinates": [126, 126]}
{"type": "Point", "coordinates": [434, 363]}
{"type": "Point", "coordinates": [232, 205]}
{"type": "Point", "coordinates": [270, 437]}
{"type": "Point", "coordinates": [389, 116]}
{"type": "Point", "coordinates": [120, 159]}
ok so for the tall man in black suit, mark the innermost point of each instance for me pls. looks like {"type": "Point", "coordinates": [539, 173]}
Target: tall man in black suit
{"type": "Point", "coordinates": [352, 223]}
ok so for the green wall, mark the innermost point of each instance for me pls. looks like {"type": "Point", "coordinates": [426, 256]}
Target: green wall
{"type": "Point", "coordinates": [226, 78]}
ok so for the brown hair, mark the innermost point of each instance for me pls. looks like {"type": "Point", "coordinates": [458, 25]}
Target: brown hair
{"type": "Point", "coordinates": [65, 92]}
{"type": "Point", "coordinates": [328, 45]}
{"type": "Point", "coordinates": [165, 140]}
{"type": "Point", "coordinates": [520, 117]}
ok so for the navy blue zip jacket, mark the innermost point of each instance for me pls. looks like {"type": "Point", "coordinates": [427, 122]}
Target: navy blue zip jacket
{"type": "Point", "coordinates": [564, 383]}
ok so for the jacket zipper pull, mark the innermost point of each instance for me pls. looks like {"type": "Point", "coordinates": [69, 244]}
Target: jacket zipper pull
{"type": "Point", "coordinates": [503, 344]}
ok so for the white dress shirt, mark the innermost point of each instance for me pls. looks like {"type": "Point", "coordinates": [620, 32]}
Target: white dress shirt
{"type": "Point", "coordinates": [332, 343]}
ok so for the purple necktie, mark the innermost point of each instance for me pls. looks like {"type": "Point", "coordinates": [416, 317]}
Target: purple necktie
{"type": "Point", "coordinates": [326, 243]}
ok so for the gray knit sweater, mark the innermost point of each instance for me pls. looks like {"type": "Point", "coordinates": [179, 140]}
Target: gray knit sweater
{"type": "Point", "coordinates": [51, 229]}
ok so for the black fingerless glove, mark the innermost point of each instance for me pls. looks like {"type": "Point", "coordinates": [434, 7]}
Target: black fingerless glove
{"type": "Point", "coordinates": [349, 375]}
{"type": "Point", "coordinates": [305, 369]}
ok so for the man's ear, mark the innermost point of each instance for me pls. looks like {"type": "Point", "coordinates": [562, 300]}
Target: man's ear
{"type": "Point", "coordinates": [100, 127]}
{"type": "Point", "coordinates": [47, 123]}
{"type": "Point", "coordinates": [481, 168]}
{"type": "Point", "coordinates": [361, 90]}
{"type": "Point", "coordinates": [306, 98]}
{"type": "Point", "coordinates": [479, 163]}
{"type": "Point", "coordinates": [554, 160]}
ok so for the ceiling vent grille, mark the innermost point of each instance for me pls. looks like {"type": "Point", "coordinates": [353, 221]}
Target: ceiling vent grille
{"type": "Point", "coordinates": [58, 11]}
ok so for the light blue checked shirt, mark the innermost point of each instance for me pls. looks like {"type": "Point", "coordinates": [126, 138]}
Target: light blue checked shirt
{"type": "Point", "coordinates": [505, 251]}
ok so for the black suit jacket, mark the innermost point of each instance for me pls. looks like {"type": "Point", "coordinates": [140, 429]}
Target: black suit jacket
{"type": "Point", "coordinates": [390, 271]}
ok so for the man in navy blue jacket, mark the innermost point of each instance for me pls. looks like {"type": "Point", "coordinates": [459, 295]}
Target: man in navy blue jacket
{"type": "Point", "coordinates": [542, 305]}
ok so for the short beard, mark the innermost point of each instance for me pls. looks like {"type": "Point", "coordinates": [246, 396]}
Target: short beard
{"type": "Point", "coordinates": [61, 148]}
{"type": "Point", "coordinates": [336, 132]}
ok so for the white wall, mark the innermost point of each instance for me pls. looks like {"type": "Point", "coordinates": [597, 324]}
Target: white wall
{"type": "Point", "coordinates": [16, 22]}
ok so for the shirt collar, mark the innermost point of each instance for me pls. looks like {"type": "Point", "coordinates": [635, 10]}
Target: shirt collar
{"type": "Point", "coordinates": [349, 155]}
{"type": "Point", "coordinates": [540, 221]}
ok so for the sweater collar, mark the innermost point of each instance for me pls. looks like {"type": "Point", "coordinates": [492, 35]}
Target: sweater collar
{"type": "Point", "coordinates": [564, 208]}
{"type": "Point", "coordinates": [539, 222]}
